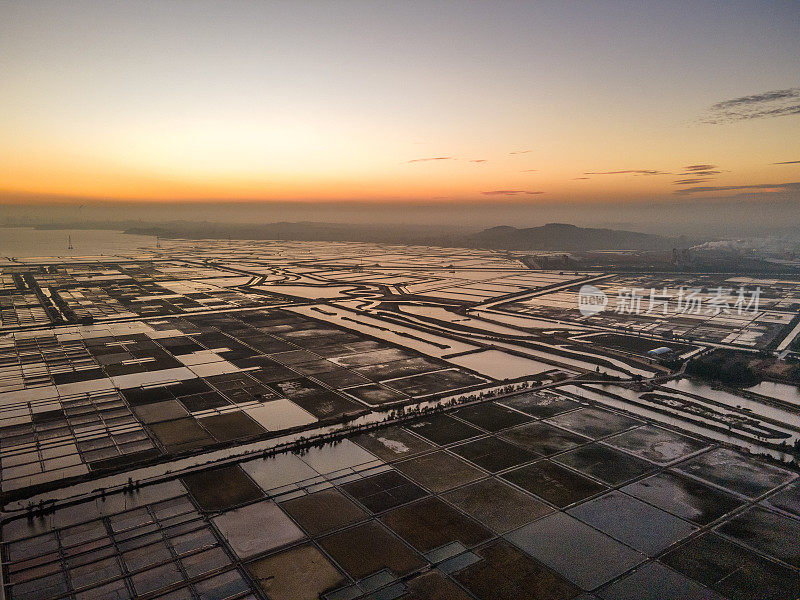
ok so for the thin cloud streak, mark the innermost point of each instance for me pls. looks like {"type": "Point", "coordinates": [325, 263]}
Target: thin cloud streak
{"type": "Point", "coordinates": [629, 171]}
{"type": "Point", "coordinates": [416, 160]}
{"type": "Point", "coordinates": [703, 173]}
{"type": "Point", "coordinates": [689, 181]}
{"type": "Point", "coordinates": [788, 162]}
{"type": "Point", "coordinates": [511, 193]}
{"type": "Point", "coordinates": [521, 152]}
{"type": "Point", "coordinates": [759, 98]}
{"type": "Point", "coordinates": [775, 187]}
{"type": "Point", "coordinates": [775, 103]}
{"type": "Point", "coordinates": [699, 167]}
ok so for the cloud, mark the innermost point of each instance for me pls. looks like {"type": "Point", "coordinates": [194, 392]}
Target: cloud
{"type": "Point", "coordinates": [689, 181]}
{"type": "Point", "coordinates": [630, 171]}
{"type": "Point", "coordinates": [699, 167]}
{"type": "Point", "coordinates": [699, 171]}
{"type": "Point", "coordinates": [511, 193]}
{"type": "Point", "coordinates": [703, 173]}
{"type": "Point", "coordinates": [478, 160]}
{"type": "Point", "coordinates": [530, 171]}
{"type": "Point", "coordinates": [521, 152]}
{"type": "Point", "coordinates": [760, 98]}
{"type": "Point", "coordinates": [577, 178]}
{"type": "Point", "coordinates": [764, 187]}
{"type": "Point", "coordinates": [775, 103]}
{"type": "Point", "coordinates": [416, 160]}
{"type": "Point", "coordinates": [788, 162]}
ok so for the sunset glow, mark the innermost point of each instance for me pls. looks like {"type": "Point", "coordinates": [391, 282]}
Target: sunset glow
{"type": "Point", "coordinates": [353, 101]}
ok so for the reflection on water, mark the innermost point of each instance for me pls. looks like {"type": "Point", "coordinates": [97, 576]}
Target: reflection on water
{"type": "Point", "coordinates": [589, 392]}
{"type": "Point", "coordinates": [693, 386]}
{"type": "Point", "coordinates": [779, 391]}
{"type": "Point", "coordinates": [22, 242]}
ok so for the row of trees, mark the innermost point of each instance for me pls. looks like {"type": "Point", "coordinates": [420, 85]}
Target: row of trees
{"type": "Point", "coordinates": [728, 367]}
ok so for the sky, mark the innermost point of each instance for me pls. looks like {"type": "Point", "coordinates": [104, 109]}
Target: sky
{"type": "Point", "coordinates": [400, 103]}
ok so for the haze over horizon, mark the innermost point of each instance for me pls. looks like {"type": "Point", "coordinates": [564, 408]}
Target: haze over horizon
{"type": "Point", "coordinates": [673, 114]}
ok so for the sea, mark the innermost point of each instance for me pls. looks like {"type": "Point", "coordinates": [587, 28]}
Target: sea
{"type": "Point", "coordinates": [27, 242]}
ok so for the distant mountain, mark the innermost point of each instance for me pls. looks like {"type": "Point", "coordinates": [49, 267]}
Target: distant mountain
{"type": "Point", "coordinates": [554, 236]}
{"type": "Point", "coordinates": [561, 236]}
{"type": "Point", "coordinates": [306, 231]}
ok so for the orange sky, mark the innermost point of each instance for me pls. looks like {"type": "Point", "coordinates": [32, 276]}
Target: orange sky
{"type": "Point", "coordinates": [316, 102]}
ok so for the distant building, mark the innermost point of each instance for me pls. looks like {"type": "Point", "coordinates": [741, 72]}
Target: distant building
{"type": "Point", "coordinates": [662, 353]}
{"type": "Point", "coordinates": [659, 351]}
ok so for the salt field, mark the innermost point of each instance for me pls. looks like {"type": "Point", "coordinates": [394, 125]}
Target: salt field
{"type": "Point", "coordinates": [287, 420]}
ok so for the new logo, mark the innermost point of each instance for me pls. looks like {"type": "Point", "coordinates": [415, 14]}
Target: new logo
{"type": "Point", "coordinates": [591, 300]}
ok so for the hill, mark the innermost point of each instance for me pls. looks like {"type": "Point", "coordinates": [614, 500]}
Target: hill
{"type": "Point", "coordinates": [561, 236]}
{"type": "Point", "coordinates": [554, 236]}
